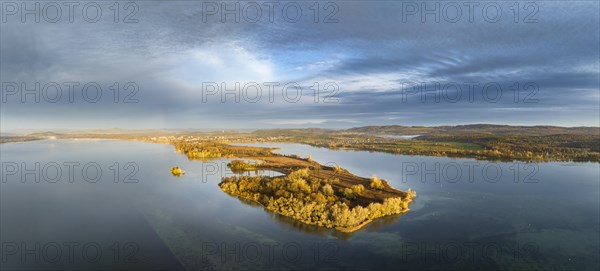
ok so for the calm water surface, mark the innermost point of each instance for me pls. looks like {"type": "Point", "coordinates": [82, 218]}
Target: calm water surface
{"type": "Point", "coordinates": [104, 204]}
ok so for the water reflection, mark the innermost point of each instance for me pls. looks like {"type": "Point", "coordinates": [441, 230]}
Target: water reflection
{"type": "Point", "coordinates": [316, 230]}
{"type": "Point", "coordinates": [287, 221]}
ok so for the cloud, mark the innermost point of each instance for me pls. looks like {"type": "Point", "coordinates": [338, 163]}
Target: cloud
{"type": "Point", "coordinates": [369, 54]}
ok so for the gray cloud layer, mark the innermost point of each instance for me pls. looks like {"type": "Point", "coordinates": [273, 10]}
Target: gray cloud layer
{"type": "Point", "coordinates": [370, 54]}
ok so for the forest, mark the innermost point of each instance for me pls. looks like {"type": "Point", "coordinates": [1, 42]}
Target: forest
{"type": "Point", "coordinates": [314, 201]}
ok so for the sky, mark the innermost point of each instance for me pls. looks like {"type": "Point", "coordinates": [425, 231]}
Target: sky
{"type": "Point", "coordinates": [334, 64]}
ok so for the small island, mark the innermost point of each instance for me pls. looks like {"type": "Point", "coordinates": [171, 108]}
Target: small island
{"type": "Point", "coordinates": [177, 171]}
{"type": "Point", "coordinates": [307, 191]}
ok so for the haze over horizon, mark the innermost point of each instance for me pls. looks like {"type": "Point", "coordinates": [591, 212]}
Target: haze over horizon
{"type": "Point", "coordinates": [176, 53]}
{"type": "Point", "coordinates": [232, 129]}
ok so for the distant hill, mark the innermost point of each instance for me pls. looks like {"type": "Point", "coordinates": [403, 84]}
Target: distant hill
{"type": "Point", "coordinates": [474, 129]}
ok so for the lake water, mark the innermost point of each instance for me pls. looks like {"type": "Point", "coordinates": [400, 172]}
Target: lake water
{"type": "Point", "coordinates": [107, 204]}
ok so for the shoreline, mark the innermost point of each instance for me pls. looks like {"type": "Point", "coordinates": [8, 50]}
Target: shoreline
{"type": "Point", "coordinates": [340, 229]}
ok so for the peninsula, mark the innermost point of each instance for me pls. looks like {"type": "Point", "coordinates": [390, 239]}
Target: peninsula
{"type": "Point", "coordinates": [307, 191]}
